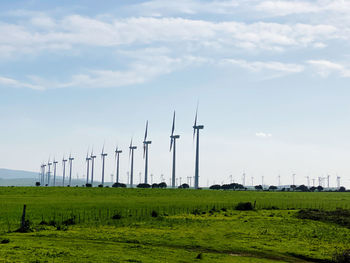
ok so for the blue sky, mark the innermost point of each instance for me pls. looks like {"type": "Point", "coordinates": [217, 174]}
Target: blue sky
{"type": "Point", "coordinates": [271, 78]}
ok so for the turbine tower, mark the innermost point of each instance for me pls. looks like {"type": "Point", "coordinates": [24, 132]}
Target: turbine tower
{"type": "Point", "coordinates": [43, 174]}
{"type": "Point", "coordinates": [328, 180]}
{"type": "Point", "coordinates": [88, 159]}
{"type": "Point", "coordinates": [70, 169]}
{"type": "Point", "coordinates": [145, 152]}
{"type": "Point", "coordinates": [196, 129]}
{"type": "Point", "coordinates": [131, 153]}
{"type": "Point", "coordinates": [338, 182]}
{"type": "Point", "coordinates": [308, 181]}
{"type": "Point", "coordinates": [117, 153]}
{"type": "Point", "coordinates": [64, 169]}
{"type": "Point", "coordinates": [48, 172]}
{"type": "Point", "coordinates": [103, 156]}
{"type": "Point", "coordinates": [173, 147]}
{"type": "Point", "coordinates": [93, 157]}
{"type": "Point", "coordinates": [54, 172]}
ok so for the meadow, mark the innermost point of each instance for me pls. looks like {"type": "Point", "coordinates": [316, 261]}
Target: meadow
{"type": "Point", "coordinates": [166, 225]}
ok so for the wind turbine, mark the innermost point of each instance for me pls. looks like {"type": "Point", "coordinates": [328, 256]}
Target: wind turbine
{"type": "Point", "coordinates": [87, 166]}
{"type": "Point", "coordinates": [145, 152]}
{"type": "Point", "coordinates": [49, 172]}
{"type": "Point", "coordinates": [70, 168]}
{"type": "Point", "coordinates": [43, 174]}
{"type": "Point", "coordinates": [196, 129]}
{"type": "Point", "coordinates": [173, 147]}
{"type": "Point", "coordinates": [103, 156]}
{"type": "Point", "coordinates": [92, 167]}
{"type": "Point", "coordinates": [131, 152]}
{"type": "Point", "coordinates": [117, 153]}
{"type": "Point", "coordinates": [328, 180]}
{"type": "Point", "coordinates": [54, 172]}
{"type": "Point", "coordinates": [64, 169]}
{"type": "Point", "coordinates": [338, 182]}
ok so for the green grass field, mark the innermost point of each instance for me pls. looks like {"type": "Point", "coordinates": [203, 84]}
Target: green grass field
{"type": "Point", "coordinates": [187, 224]}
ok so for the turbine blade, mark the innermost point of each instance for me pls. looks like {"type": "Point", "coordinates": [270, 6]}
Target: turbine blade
{"type": "Point", "coordinates": [144, 150]}
{"type": "Point", "coordinates": [195, 118]}
{"type": "Point", "coordinates": [173, 127]}
{"type": "Point", "coordinates": [130, 148]}
{"type": "Point", "coordinates": [146, 132]}
{"type": "Point", "coordinates": [171, 144]}
{"type": "Point", "coordinates": [195, 122]}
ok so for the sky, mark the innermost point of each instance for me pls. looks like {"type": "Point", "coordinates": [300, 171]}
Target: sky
{"type": "Point", "coordinates": [271, 80]}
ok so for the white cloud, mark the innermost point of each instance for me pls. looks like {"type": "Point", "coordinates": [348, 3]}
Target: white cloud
{"type": "Point", "coordinates": [75, 31]}
{"type": "Point", "coordinates": [282, 8]}
{"type": "Point", "coordinates": [325, 67]}
{"type": "Point", "coordinates": [263, 135]}
{"type": "Point", "coordinates": [190, 7]}
{"type": "Point", "coordinates": [257, 66]}
{"type": "Point", "coordinates": [9, 82]}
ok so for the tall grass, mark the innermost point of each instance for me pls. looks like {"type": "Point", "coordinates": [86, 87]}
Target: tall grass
{"type": "Point", "coordinates": [98, 205]}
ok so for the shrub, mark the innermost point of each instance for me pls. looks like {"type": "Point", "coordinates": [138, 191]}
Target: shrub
{"type": "Point", "coordinates": [342, 257]}
{"type": "Point", "coordinates": [100, 185]}
{"type": "Point", "coordinates": [196, 211]}
{"type": "Point", "coordinates": [154, 214]}
{"type": "Point", "coordinates": [69, 221]}
{"type": "Point", "coordinates": [5, 241]}
{"type": "Point", "coordinates": [117, 216]}
{"type": "Point", "coordinates": [244, 206]}
{"type": "Point", "coordinates": [184, 186]}
{"type": "Point", "coordinates": [199, 256]}
{"type": "Point", "coordinates": [88, 185]}
{"type": "Point", "coordinates": [37, 184]}
{"type": "Point", "coordinates": [155, 185]}
{"type": "Point", "coordinates": [25, 228]}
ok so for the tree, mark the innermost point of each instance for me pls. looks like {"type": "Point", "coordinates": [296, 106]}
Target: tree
{"type": "Point", "coordinates": [313, 188]}
{"type": "Point", "coordinates": [258, 187]}
{"type": "Point", "coordinates": [342, 189]}
{"type": "Point", "coordinates": [319, 188]}
{"type": "Point", "coordinates": [162, 185]}
{"type": "Point", "coordinates": [184, 186]}
{"type": "Point", "coordinates": [272, 187]}
{"type": "Point", "coordinates": [215, 187]}
{"type": "Point", "coordinates": [119, 185]}
{"type": "Point", "coordinates": [155, 185]}
{"type": "Point", "coordinates": [302, 188]}
{"type": "Point", "coordinates": [293, 187]}
{"type": "Point", "coordinates": [37, 184]}
{"type": "Point", "coordinates": [143, 186]}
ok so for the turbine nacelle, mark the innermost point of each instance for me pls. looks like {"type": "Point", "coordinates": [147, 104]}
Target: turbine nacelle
{"type": "Point", "coordinates": [174, 136]}
{"type": "Point", "coordinates": [147, 142]}
{"type": "Point", "coordinates": [198, 127]}
{"type": "Point", "coordinates": [132, 147]}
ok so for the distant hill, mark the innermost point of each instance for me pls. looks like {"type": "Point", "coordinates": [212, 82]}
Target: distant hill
{"type": "Point", "coordinates": [16, 174]}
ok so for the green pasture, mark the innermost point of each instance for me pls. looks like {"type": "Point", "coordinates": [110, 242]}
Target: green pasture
{"type": "Point", "coordinates": [187, 224]}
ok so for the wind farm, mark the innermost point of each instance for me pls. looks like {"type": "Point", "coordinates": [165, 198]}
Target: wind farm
{"type": "Point", "coordinates": [175, 131]}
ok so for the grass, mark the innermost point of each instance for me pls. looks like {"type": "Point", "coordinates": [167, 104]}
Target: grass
{"type": "Point", "coordinates": [189, 226]}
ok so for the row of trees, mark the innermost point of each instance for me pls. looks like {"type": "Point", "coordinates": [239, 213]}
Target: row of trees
{"type": "Point", "coordinates": [300, 188]}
